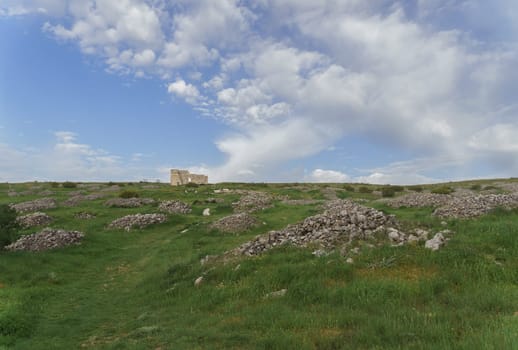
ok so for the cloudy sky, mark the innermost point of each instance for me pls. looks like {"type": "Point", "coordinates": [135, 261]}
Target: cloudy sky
{"type": "Point", "coordinates": [379, 91]}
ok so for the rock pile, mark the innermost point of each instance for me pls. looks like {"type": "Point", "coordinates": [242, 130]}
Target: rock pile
{"type": "Point", "coordinates": [34, 219]}
{"type": "Point", "coordinates": [235, 223]}
{"type": "Point", "coordinates": [175, 207]}
{"type": "Point", "coordinates": [128, 202]}
{"type": "Point", "coordinates": [137, 220]}
{"type": "Point", "coordinates": [342, 222]}
{"type": "Point", "coordinates": [75, 200]}
{"type": "Point", "coordinates": [419, 200]}
{"type": "Point", "coordinates": [35, 205]}
{"type": "Point", "coordinates": [253, 201]}
{"type": "Point", "coordinates": [46, 239]}
{"type": "Point", "coordinates": [472, 206]}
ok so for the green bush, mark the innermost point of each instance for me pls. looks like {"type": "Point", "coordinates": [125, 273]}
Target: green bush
{"type": "Point", "coordinates": [129, 194]}
{"type": "Point", "coordinates": [111, 183]}
{"type": "Point", "coordinates": [54, 185]}
{"type": "Point", "coordinates": [68, 184]}
{"type": "Point", "coordinates": [364, 189]}
{"type": "Point", "coordinates": [397, 188]}
{"type": "Point", "coordinates": [8, 224]}
{"type": "Point", "coordinates": [475, 187]}
{"type": "Point", "coordinates": [416, 188]}
{"type": "Point", "coordinates": [443, 190]}
{"type": "Point", "coordinates": [349, 188]}
{"type": "Point", "coordinates": [388, 191]}
{"type": "Point", "coordinates": [490, 187]}
{"type": "Point", "coordinates": [191, 184]}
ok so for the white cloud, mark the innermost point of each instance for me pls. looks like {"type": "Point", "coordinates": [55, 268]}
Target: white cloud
{"type": "Point", "coordinates": [321, 175]}
{"type": "Point", "coordinates": [184, 90]}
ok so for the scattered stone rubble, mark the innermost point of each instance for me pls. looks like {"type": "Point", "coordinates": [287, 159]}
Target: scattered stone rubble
{"type": "Point", "coordinates": [75, 200]}
{"type": "Point", "coordinates": [253, 201]}
{"type": "Point", "coordinates": [472, 206]}
{"type": "Point", "coordinates": [235, 223]}
{"type": "Point", "coordinates": [46, 239]}
{"type": "Point", "coordinates": [128, 202]}
{"type": "Point", "coordinates": [175, 207]}
{"type": "Point", "coordinates": [342, 223]}
{"type": "Point", "coordinates": [34, 219]}
{"type": "Point", "coordinates": [461, 205]}
{"type": "Point", "coordinates": [137, 220]}
{"type": "Point", "coordinates": [418, 199]}
{"type": "Point", "coordinates": [35, 205]}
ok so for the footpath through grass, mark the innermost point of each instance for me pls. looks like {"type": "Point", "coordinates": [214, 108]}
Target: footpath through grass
{"type": "Point", "coordinates": [135, 290]}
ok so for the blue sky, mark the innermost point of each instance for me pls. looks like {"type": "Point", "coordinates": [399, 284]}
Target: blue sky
{"type": "Point", "coordinates": [377, 91]}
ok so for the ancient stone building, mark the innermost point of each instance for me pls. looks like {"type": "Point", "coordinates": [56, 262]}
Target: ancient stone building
{"type": "Point", "coordinates": [183, 177]}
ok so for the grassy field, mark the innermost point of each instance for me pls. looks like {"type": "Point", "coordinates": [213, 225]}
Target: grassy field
{"type": "Point", "coordinates": [135, 290]}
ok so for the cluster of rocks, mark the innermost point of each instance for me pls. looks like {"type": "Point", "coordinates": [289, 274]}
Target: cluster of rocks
{"type": "Point", "coordinates": [419, 199]}
{"type": "Point", "coordinates": [137, 220]}
{"type": "Point", "coordinates": [78, 198]}
{"type": "Point", "coordinates": [472, 206]}
{"type": "Point", "coordinates": [235, 223]}
{"type": "Point", "coordinates": [12, 193]}
{"type": "Point", "coordinates": [464, 204]}
{"type": "Point", "coordinates": [34, 219]}
{"type": "Point", "coordinates": [35, 205]}
{"type": "Point", "coordinates": [128, 202]}
{"type": "Point", "coordinates": [342, 223]}
{"type": "Point", "coordinates": [175, 207]}
{"type": "Point", "coordinates": [46, 239]}
{"type": "Point", "coordinates": [84, 215]}
{"type": "Point", "coordinates": [113, 188]}
{"type": "Point", "coordinates": [253, 201]}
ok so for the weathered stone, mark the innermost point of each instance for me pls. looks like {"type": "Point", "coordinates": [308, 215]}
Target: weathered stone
{"type": "Point", "coordinates": [35, 205]}
{"type": "Point", "coordinates": [206, 212]}
{"type": "Point", "coordinates": [436, 242]}
{"type": "Point", "coordinates": [276, 294]}
{"type": "Point", "coordinates": [253, 201]}
{"type": "Point", "coordinates": [128, 202]}
{"type": "Point", "coordinates": [137, 220]}
{"type": "Point", "coordinates": [46, 239]}
{"type": "Point", "coordinates": [235, 223]}
{"type": "Point", "coordinates": [198, 281]}
{"type": "Point", "coordinates": [175, 207]}
{"type": "Point", "coordinates": [34, 219]}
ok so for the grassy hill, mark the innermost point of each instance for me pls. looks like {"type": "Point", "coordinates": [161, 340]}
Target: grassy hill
{"type": "Point", "coordinates": [135, 289]}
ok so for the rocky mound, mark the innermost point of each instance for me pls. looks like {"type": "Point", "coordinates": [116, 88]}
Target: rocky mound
{"type": "Point", "coordinates": [235, 223]}
{"type": "Point", "coordinates": [419, 200]}
{"type": "Point", "coordinates": [128, 202]}
{"type": "Point", "coordinates": [46, 239]}
{"type": "Point", "coordinates": [253, 201]}
{"type": "Point", "coordinates": [76, 199]}
{"type": "Point", "coordinates": [34, 219]}
{"type": "Point", "coordinates": [342, 222]}
{"type": "Point", "coordinates": [138, 220]}
{"type": "Point", "coordinates": [175, 207]}
{"type": "Point", "coordinates": [35, 205]}
{"type": "Point", "coordinates": [472, 206]}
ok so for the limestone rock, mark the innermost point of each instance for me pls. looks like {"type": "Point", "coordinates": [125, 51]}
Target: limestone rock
{"type": "Point", "coordinates": [35, 205]}
{"type": "Point", "coordinates": [34, 219]}
{"type": "Point", "coordinates": [235, 223]}
{"type": "Point", "coordinates": [206, 212]}
{"type": "Point", "coordinates": [137, 220]}
{"type": "Point", "coordinates": [174, 207]}
{"type": "Point", "coordinates": [46, 239]}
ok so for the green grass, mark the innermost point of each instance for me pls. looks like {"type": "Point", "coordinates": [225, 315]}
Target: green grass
{"type": "Point", "coordinates": [135, 290]}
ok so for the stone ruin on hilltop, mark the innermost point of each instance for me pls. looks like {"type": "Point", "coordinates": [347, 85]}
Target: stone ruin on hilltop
{"type": "Point", "coordinates": [184, 177]}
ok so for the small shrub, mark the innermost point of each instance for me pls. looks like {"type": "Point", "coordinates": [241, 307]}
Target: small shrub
{"type": "Point", "coordinates": [8, 224]}
{"type": "Point", "coordinates": [364, 189]}
{"type": "Point", "coordinates": [68, 184]}
{"type": "Point", "coordinates": [388, 191]}
{"type": "Point", "coordinates": [443, 190]}
{"type": "Point", "coordinates": [349, 188]}
{"type": "Point", "coordinates": [475, 187]}
{"type": "Point", "coordinates": [490, 187]}
{"type": "Point", "coordinates": [128, 194]}
{"type": "Point", "coordinates": [192, 184]}
{"type": "Point", "coordinates": [54, 185]}
{"type": "Point", "coordinates": [397, 188]}
{"type": "Point", "coordinates": [111, 183]}
{"type": "Point", "coordinates": [416, 188]}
